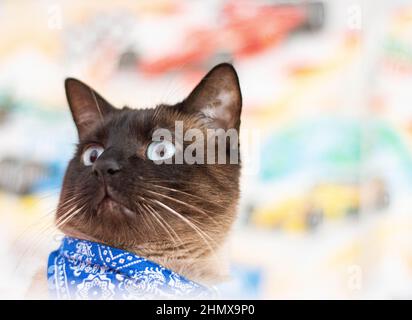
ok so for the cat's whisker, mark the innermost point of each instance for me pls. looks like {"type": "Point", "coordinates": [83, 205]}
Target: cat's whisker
{"type": "Point", "coordinates": [187, 183]}
{"type": "Point", "coordinates": [200, 232]}
{"type": "Point", "coordinates": [188, 194]}
{"type": "Point", "coordinates": [41, 219]}
{"type": "Point", "coordinates": [40, 235]}
{"type": "Point", "coordinates": [163, 223]}
{"type": "Point", "coordinates": [185, 204]}
{"type": "Point", "coordinates": [189, 219]}
{"type": "Point", "coordinates": [144, 217]}
{"type": "Point", "coordinates": [144, 206]}
{"type": "Point", "coordinates": [69, 217]}
{"type": "Point", "coordinates": [44, 232]}
{"type": "Point", "coordinates": [148, 212]}
{"type": "Point", "coordinates": [38, 239]}
{"type": "Point", "coordinates": [65, 215]}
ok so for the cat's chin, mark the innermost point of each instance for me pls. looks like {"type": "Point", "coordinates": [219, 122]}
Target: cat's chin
{"type": "Point", "coordinates": [111, 206]}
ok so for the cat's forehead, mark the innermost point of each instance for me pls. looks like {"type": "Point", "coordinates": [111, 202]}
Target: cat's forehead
{"type": "Point", "coordinates": [133, 119]}
{"type": "Point", "coordinates": [130, 123]}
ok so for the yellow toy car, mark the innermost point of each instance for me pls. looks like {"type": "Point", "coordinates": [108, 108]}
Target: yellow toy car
{"type": "Point", "coordinates": [325, 201]}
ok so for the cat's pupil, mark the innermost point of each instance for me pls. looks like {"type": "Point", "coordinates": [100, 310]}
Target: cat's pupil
{"type": "Point", "coordinates": [93, 156]}
{"type": "Point", "coordinates": [162, 152]}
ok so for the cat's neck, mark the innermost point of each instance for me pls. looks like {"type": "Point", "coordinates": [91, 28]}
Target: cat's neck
{"type": "Point", "coordinates": [207, 269]}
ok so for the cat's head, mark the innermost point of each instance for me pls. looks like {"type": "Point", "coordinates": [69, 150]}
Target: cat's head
{"type": "Point", "coordinates": [115, 190]}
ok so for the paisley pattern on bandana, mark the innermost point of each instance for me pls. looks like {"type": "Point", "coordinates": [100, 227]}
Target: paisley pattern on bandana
{"type": "Point", "coordinates": [82, 269]}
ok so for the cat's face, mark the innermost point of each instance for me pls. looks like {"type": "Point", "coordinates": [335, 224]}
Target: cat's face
{"type": "Point", "coordinates": [115, 192]}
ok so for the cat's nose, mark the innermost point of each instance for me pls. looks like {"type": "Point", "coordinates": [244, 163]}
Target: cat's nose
{"type": "Point", "coordinates": [106, 167]}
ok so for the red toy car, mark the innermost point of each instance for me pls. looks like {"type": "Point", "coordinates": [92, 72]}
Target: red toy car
{"type": "Point", "coordinates": [245, 29]}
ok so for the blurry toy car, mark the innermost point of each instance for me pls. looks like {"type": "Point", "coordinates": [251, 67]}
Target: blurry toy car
{"type": "Point", "coordinates": [23, 177]}
{"type": "Point", "coordinates": [324, 201]}
{"type": "Point", "coordinates": [246, 29]}
{"type": "Point", "coordinates": [242, 28]}
{"type": "Point", "coordinates": [6, 105]}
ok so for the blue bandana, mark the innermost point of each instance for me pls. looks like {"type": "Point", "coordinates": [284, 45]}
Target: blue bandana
{"type": "Point", "coordinates": [82, 269]}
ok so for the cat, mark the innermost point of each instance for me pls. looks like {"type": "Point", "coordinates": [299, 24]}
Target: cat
{"type": "Point", "coordinates": [178, 215]}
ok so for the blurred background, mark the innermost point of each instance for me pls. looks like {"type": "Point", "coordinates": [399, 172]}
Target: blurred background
{"type": "Point", "coordinates": [326, 208]}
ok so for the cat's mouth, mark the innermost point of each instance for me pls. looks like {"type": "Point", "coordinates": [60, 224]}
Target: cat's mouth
{"type": "Point", "coordinates": [111, 203]}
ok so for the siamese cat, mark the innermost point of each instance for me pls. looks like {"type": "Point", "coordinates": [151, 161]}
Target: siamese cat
{"type": "Point", "coordinates": [116, 192]}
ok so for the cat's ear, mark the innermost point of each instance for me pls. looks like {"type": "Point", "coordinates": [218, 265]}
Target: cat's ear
{"type": "Point", "coordinates": [217, 98]}
{"type": "Point", "coordinates": [87, 106]}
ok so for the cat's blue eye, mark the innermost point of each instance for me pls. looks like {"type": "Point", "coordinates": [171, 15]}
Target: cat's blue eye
{"type": "Point", "coordinates": [160, 150]}
{"type": "Point", "coordinates": [91, 153]}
